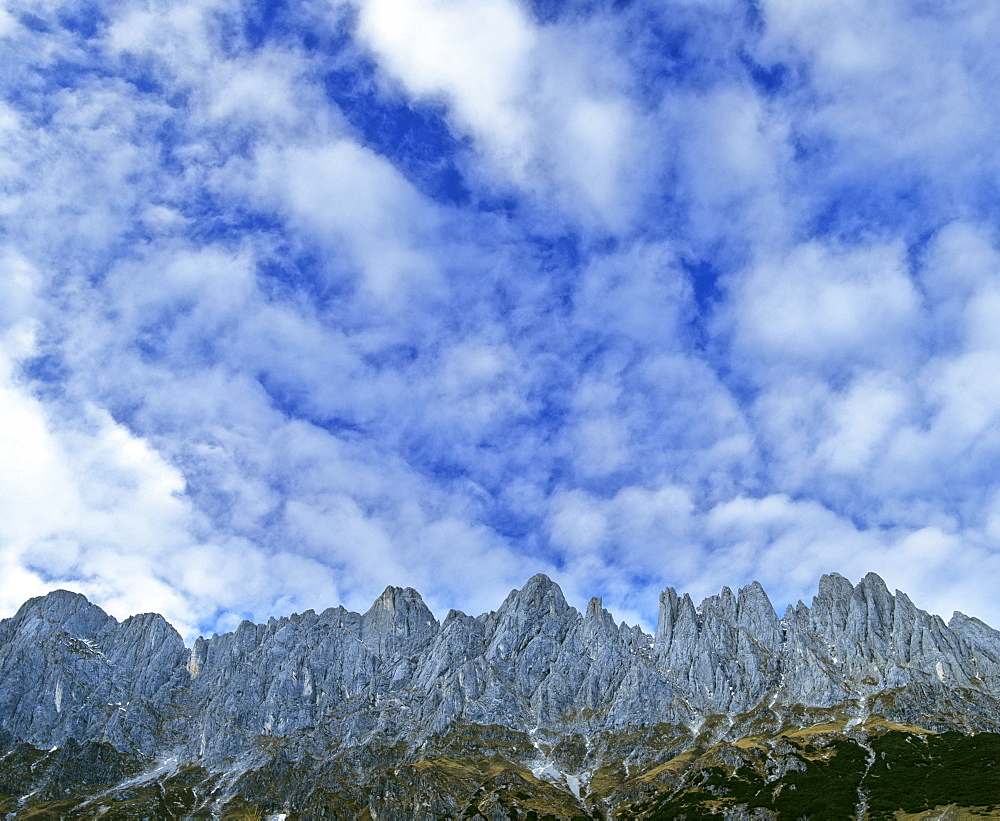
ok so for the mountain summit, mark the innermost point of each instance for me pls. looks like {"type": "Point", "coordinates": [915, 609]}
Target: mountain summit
{"type": "Point", "coordinates": [314, 714]}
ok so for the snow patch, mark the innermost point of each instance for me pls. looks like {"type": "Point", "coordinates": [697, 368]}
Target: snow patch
{"type": "Point", "coordinates": [546, 770]}
{"type": "Point", "coordinates": [165, 768]}
{"type": "Point", "coordinates": [860, 715]}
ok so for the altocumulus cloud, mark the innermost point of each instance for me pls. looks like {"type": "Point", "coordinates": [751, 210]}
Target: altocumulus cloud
{"type": "Point", "coordinates": [300, 300]}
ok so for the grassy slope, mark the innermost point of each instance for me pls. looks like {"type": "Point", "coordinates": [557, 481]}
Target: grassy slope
{"type": "Point", "coordinates": [816, 772]}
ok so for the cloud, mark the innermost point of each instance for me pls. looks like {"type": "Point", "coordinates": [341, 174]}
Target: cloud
{"type": "Point", "coordinates": [476, 52]}
{"type": "Point", "coordinates": [732, 153]}
{"type": "Point", "coordinates": [93, 509]}
{"type": "Point", "coordinates": [546, 107]}
{"type": "Point", "coordinates": [894, 116]}
{"type": "Point", "coordinates": [824, 308]}
{"type": "Point", "coordinates": [441, 294]}
{"type": "Point", "coordinates": [350, 198]}
{"type": "Point", "coordinates": [863, 418]}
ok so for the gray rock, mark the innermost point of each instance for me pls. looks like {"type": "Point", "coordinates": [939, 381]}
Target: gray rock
{"type": "Point", "coordinates": [319, 686]}
{"type": "Point", "coordinates": [69, 670]}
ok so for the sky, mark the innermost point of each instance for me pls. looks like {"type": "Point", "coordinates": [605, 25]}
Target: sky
{"type": "Point", "coordinates": [300, 300]}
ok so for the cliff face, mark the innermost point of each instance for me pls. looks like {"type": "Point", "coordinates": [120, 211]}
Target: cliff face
{"type": "Point", "coordinates": [546, 678]}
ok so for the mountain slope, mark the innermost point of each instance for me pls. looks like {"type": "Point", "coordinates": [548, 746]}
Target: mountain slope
{"type": "Point", "coordinates": [532, 708]}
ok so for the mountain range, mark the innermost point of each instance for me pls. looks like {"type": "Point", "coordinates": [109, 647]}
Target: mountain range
{"type": "Point", "coordinates": [534, 710]}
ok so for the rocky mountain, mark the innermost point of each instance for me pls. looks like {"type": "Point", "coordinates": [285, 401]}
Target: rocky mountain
{"type": "Point", "coordinates": [533, 710]}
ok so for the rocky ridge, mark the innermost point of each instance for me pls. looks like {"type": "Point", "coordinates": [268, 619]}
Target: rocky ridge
{"type": "Point", "coordinates": [569, 700]}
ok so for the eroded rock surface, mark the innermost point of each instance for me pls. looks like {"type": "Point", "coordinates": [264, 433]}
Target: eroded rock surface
{"type": "Point", "coordinates": [561, 687]}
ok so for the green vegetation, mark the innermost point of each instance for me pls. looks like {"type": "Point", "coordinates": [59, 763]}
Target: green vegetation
{"type": "Point", "coordinates": [916, 773]}
{"type": "Point", "coordinates": [813, 773]}
{"type": "Point", "coordinates": [911, 773]}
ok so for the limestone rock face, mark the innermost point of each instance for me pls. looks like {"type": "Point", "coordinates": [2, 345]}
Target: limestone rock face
{"type": "Point", "coordinates": [858, 641]}
{"type": "Point", "coordinates": [69, 670]}
{"type": "Point", "coordinates": [982, 643]}
{"type": "Point", "coordinates": [316, 685]}
{"type": "Point", "coordinates": [724, 655]}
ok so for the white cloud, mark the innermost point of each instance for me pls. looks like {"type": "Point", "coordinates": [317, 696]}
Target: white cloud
{"type": "Point", "coordinates": [480, 383]}
{"type": "Point", "coordinates": [248, 367]}
{"type": "Point", "coordinates": [819, 437]}
{"type": "Point", "coordinates": [961, 258]}
{"type": "Point", "coordinates": [8, 24]}
{"type": "Point", "coordinates": [264, 89]}
{"type": "Point", "coordinates": [825, 308]}
{"type": "Point", "coordinates": [639, 532]}
{"type": "Point", "coordinates": [545, 106]}
{"type": "Point", "coordinates": [349, 197]}
{"type": "Point", "coordinates": [178, 33]}
{"type": "Point", "coordinates": [477, 52]}
{"type": "Point", "coordinates": [968, 402]}
{"type": "Point", "coordinates": [733, 151]}
{"type": "Point", "coordinates": [787, 544]}
{"type": "Point", "coordinates": [91, 507]}
{"type": "Point", "coordinates": [863, 419]}
{"type": "Point", "coordinates": [943, 571]}
{"type": "Point", "coordinates": [638, 292]}
{"type": "Point", "coordinates": [895, 93]}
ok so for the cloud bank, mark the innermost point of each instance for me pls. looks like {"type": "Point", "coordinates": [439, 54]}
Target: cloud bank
{"type": "Point", "coordinates": [297, 302]}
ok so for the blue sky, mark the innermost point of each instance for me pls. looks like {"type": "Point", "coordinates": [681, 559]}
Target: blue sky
{"type": "Point", "coordinates": [301, 300]}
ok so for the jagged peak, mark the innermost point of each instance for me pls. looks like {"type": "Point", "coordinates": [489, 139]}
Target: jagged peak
{"type": "Point", "coordinates": [542, 597]}
{"type": "Point", "coordinates": [874, 592]}
{"type": "Point", "coordinates": [722, 603]}
{"type": "Point", "coordinates": [398, 599]}
{"type": "Point", "coordinates": [904, 604]}
{"type": "Point", "coordinates": [960, 618]}
{"type": "Point", "coordinates": [596, 617]}
{"type": "Point", "coordinates": [674, 607]}
{"type": "Point", "coordinates": [873, 581]}
{"type": "Point", "coordinates": [145, 618]}
{"type": "Point", "coordinates": [753, 602]}
{"type": "Point", "coordinates": [61, 598]}
{"type": "Point", "coordinates": [676, 612]}
{"type": "Point", "coordinates": [539, 592]}
{"type": "Point", "coordinates": [834, 585]}
{"type": "Point", "coordinates": [514, 695]}
{"type": "Point", "coordinates": [540, 582]}
{"type": "Point", "coordinates": [976, 631]}
{"type": "Point", "coordinates": [73, 611]}
{"type": "Point", "coordinates": [152, 623]}
{"type": "Point", "coordinates": [389, 596]}
{"type": "Point", "coordinates": [64, 611]}
{"type": "Point", "coordinates": [832, 602]}
{"type": "Point", "coordinates": [456, 617]}
{"type": "Point", "coordinates": [336, 613]}
{"type": "Point", "coordinates": [754, 589]}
